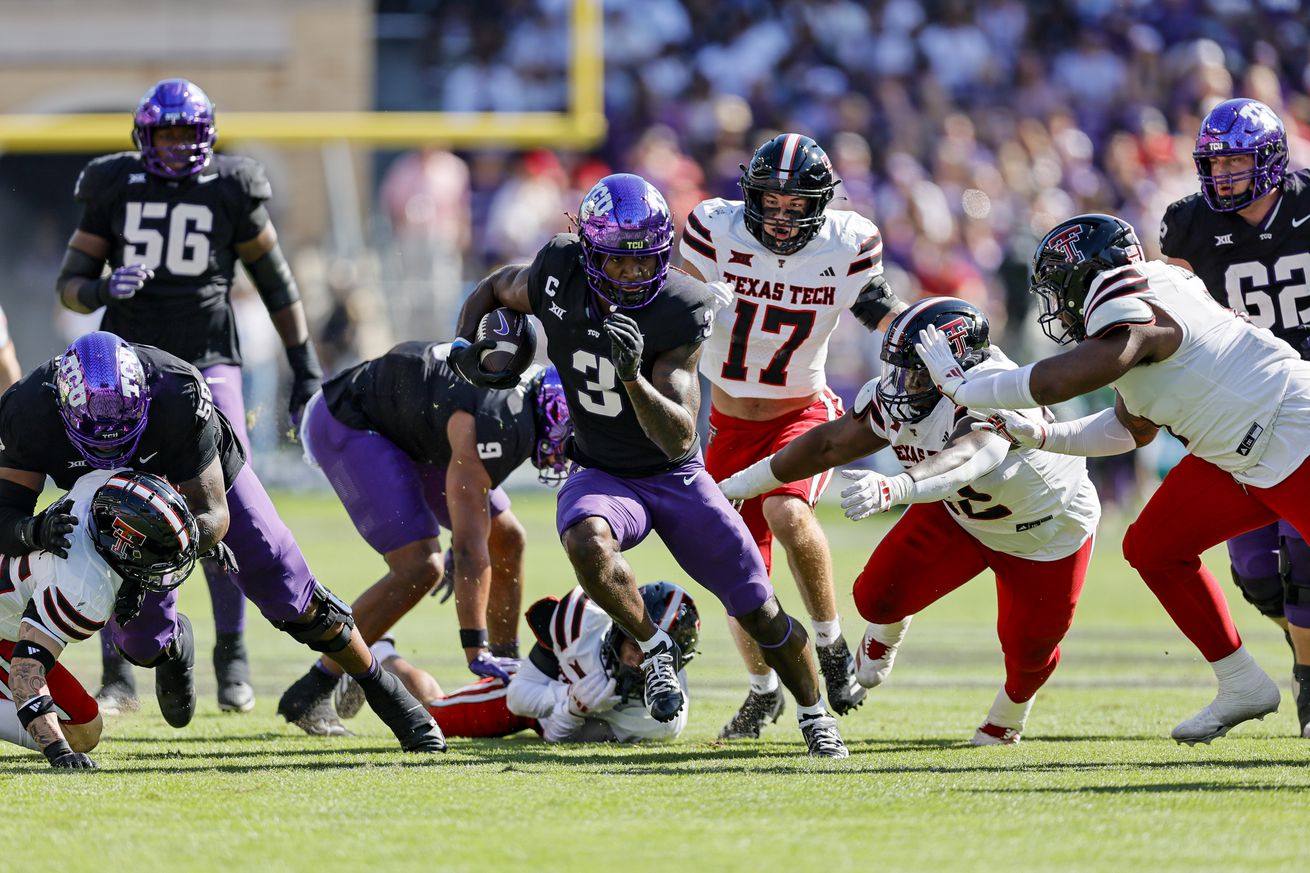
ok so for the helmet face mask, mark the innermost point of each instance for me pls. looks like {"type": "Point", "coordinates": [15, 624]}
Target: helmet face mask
{"type": "Point", "coordinates": [1066, 262]}
{"type": "Point", "coordinates": [180, 108]}
{"type": "Point", "coordinates": [103, 398]}
{"type": "Point", "coordinates": [144, 530]}
{"type": "Point", "coordinates": [906, 391]}
{"type": "Point", "coordinates": [793, 166]}
{"type": "Point", "coordinates": [626, 231]}
{"type": "Point", "coordinates": [1240, 128]}
{"type": "Point", "coordinates": [551, 413]}
{"type": "Point", "coordinates": [672, 610]}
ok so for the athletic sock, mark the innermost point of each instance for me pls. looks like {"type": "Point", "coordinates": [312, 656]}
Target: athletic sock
{"type": "Point", "coordinates": [370, 676]}
{"type": "Point", "coordinates": [1008, 713]}
{"type": "Point", "coordinates": [764, 684]}
{"type": "Point", "coordinates": [817, 710]}
{"type": "Point", "coordinates": [1237, 671]}
{"type": "Point", "coordinates": [384, 650]}
{"type": "Point", "coordinates": [826, 632]}
{"type": "Point", "coordinates": [654, 642]}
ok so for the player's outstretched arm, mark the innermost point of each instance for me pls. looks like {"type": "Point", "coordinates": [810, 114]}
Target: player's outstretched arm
{"type": "Point", "coordinates": [667, 404]}
{"type": "Point", "coordinates": [829, 445]}
{"type": "Point", "coordinates": [506, 286]}
{"type": "Point", "coordinates": [34, 656]}
{"type": "Point", "coordinates": [207, 499]}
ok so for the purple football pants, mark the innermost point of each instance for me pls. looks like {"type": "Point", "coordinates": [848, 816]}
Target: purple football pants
{"type": "Point", "coordinates": [1255, 555]}
{"type": "Point", "coordinates": [392, 499]}
{"type": "Point", "coordinates": [702, 531]}
{"type": "Point", "coordinates": [273, 573]}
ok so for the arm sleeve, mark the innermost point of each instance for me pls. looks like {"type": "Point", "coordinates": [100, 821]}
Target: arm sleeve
{"type": "Point", "coordinates": [1091, 436]}
{"type": "Point", "coordinates": [532, 693]}
{"type": "Point", "coordinates": [986, 459]}
{"type": "Point", "coordinates": [697, 244]}
{"type": "Point", "coordinates": [1003, 389]}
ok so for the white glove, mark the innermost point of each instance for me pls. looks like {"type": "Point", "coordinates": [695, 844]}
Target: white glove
{"type": "Point", "coordinates": [1020, 430]}
{"type": "Point", "coordinates": [724, 294]}
{"type": "Point", "coordinates": [592, 694]}
{"type": "Point", "coordinates": [747, 483]}
{"type": "Point", "coordinates": [935, 352]}
{"type": "Point", "coordinates": [873, 492]}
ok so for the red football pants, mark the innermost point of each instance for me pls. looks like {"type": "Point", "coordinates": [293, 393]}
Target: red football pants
{"type": "Point", "coordinates": [736, 443]}
{"type": "Point", "coordinates": [75, 705]}
{"type": "Point", "coordinates": [1035, 599]}
{"type": "Point", "coordinates": [479, 710]}
{"type": "Point", "coordinates": [1198, 506]}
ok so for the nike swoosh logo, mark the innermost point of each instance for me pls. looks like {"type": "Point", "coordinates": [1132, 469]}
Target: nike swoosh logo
{"type": "Point", "coordinates": [145, 458]}
{"type": "Point", "coordinates": [503, 330]}
{"type": "Point", "coordinates": [203, 178]}
{"type": "Point", "coordinates": [1297, 222]}
{"type": "Point", "coordinates": [687, 480]}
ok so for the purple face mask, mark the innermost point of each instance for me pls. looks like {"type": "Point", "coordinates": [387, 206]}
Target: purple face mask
{"type": "Point", "coordinates": [1240, 127]}
{"type": "Point", "coordinates": [553, 429]}
{"type": "Point", "coordinates": [624, 216]}
{"type": "Point", "coordinates": [103, 398]}
{"type": "Point", "coordinates": [175, 103]}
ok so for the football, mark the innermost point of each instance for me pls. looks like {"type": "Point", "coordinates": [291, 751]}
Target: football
{"type": "Point", "coordinates": [515, 338]}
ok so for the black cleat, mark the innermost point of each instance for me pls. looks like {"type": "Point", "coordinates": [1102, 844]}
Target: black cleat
{"type": "Point", "coordinates": [175, 677]}
{"type": "Point", "coordinates": [307, 704]}
{"type": "Point", "coordinates": [408, 719]}
{"type": "Point", "coordinates": [837, 665]}
{"type": "Point", "coordinates": [232, 671]}
{"type": "Point", "coordinates": [822, 737]}
{"type": "Point", "coordinates": [117, 694]}
{"type": "Point", "coordinates": [663, 693]}
{"type": "Point", "coordinates": [757, 711]}
{"type": "Point", "coordinates": [1301, 687]}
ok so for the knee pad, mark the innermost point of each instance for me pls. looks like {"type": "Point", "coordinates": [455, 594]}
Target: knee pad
{"type": "Point", "coordinates": [329, 611]}
{"type": "Point", "coordinates": [1294, 570]}
{"type": "Point", "coordinates": [1265, 593]}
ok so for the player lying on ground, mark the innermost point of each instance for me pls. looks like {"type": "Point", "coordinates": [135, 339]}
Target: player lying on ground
{"type": "Point", "coordinates": [581, 681]}
{"type": "Point", "coordinates": [411, 448]}
{"type": "Point", "coordinates": [1246, 235]}
{"type": "Point", "coordinates": [172, 220]}
{"type": "Point", "coordinates": [788, 266]}
{"type": "Point", "coordinates": [106, 403]}
{"type": "Point", "coordinates": [625, 333]}
{"type": "Point", "coordinates": [1027, 515]}
{"type": "Point", "coordinates": [1236, 396]}
{"type": "Point", "coordinates": [129, 531]}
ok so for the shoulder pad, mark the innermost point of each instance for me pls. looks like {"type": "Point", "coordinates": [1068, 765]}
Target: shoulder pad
{"type": "Point", "coordinates": [1117, 298]}
{"type": "Point", "coordinates": [1174, 225]}
{"type": "Point", "coordinates": [864, 400]}
{"type": "Point", "coordinates": [100, 174]}
{"type": "Point", "coordinates": [853, 229]}
{"type": "Point", "coordinates": [539, 617]}
{"type": "Point", "coordinates": [247, 173]}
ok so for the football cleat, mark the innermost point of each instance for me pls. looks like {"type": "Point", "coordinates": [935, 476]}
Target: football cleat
{"type": "Point", "coordinates": [838, 668]}
{"type": "Point", "coordinates": [822, 737]}
{"type": "Point", "coordinates": [663, 693]}
{"type": "Point", "coordinates": [1301, 690]}
{"type": "Point", "coordinates": [175, 677]}
{"type": "Point", "coordinates": [408, 719]}
{"type": "Point", "coordinates": [1228, 710]}
{"type": "Point", "coordinates": [320, 721]}
{"type": "Point", "coordinates": [117, 694]}
{"type": "Point", "coordinates": [232, 671]}
{"type": "Point", "coordinates": [308, 700]}
{"type": "Point", "coordinates": [877, 652]}
{"type": "Point", "coordinates": [348, 698]}
{"type": "Point", "coordinates": [995, 735]}
{"type": "Point", "coordinates": [755, 712]}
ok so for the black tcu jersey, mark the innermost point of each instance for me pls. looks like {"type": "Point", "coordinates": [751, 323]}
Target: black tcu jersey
{"type": "Point", "coordinates": [186, 231]}
{"type": "Point", "coordinates": [183, 435]}
{"type": "Point", "coordinates": [408, 396]}
{"type": "Point", "coordinates": [606, 433]}
{"type": "Point", "coordinates": [1262, 270]}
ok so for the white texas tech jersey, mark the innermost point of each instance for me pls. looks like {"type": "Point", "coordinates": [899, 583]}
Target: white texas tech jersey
{"type": "Point", "coordinates": [73, 597]}
{"type": "Point", "coordinates": [1036, 505]}
{"type": "Point", "coordinates": [773, 342]}
{"type": "Point", "coordinates": [1233, 393]}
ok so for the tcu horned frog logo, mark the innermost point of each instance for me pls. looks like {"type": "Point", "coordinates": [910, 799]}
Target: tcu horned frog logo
{"type": "Point", "coordinates": [126, 539]}
{"type": "Point", "coordinates": [1063, 242]}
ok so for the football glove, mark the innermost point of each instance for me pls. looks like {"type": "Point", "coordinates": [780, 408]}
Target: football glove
{"type": "Point", "coordinates": [62, 757]}
{"type": "Point", "coordinates": [306, 379]}
{"type": "Point", "coordinates": [626, 344]}
{"type": "Point", "coordinates": [935, 352]}
{"type": "Point", "coordinates": [873, 492]}
{"type": "Point", "coordinates": [723, 295]}
{"type": "Point", "coordinates": [222, 554]}
{"type": "Point", "coordinates": [488, 665]}
{"type": "Point", "coordinates": [465, 359]}
{"type": "Point", "coordinates": [592, 694]}
{"type": "Point", "coordinates": [1020, 430]}
{"type": "Point", "coordinates": [753, 480]}
{"type": "Point", "coordinates": [125, 281]}
{"type": "Point", "coordinates": [48, 530]}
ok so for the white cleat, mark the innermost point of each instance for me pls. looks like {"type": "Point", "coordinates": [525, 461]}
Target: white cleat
{"type": "Point", "coordinates": [1005, 721]}
{"type": "Point", "coordinates": [877, 652]}
{"type": "Point", "coordinates": [995, 735]}
{"type": "Point", "coordinates": [1228, 710]}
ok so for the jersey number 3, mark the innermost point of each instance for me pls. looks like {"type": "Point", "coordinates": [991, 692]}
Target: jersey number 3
{"type": "Point", "coordinates": [598, 395]}
{"type": "Point", "coordinates": [775, 319]}
{"type": "Point", "coordinates": [185, 252]}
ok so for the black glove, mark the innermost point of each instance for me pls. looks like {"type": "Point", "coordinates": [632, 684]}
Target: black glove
{"type": "Point", "coordinates": [306, 378]}
{"type": "Point", "coordinates": [446, 587]}
{"type": "Point", "coordinates": [48, 530]}
{"type": "Point", "coordinates": [625, 345]}
{"type": "Point", "coordinates": [62, 757]}
{"type": "Point", "coordinates": [465, 359]}
{"type": "Point", "coordinates": [223, 555]}
{"type": "Point", "coordinates": [128, 602]}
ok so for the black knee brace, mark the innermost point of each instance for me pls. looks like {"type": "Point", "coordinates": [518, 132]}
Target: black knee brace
{"type": "Point", "coordinates": [1295, 591]}
{"type": "Point", "coordinates": [329, 611]}
{"type": "Point", "coordinates": [1265, 593]}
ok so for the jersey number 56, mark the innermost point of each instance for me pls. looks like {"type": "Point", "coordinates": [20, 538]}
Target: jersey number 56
{"type": "Point", "coordinates": [184, 251]}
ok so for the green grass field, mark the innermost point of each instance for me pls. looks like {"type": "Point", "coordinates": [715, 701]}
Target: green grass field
{"type": "Point", "coordinates": [1096, 784]}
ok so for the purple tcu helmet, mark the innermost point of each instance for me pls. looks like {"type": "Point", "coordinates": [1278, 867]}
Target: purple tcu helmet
{"type": "Point", "coordinates": [1240, 127]}
{"type": "Point", "coordinates": [103, 398]}
{"type": "Point", "coordinates": [625, 216]}
{"type": "Point", "coordinates": [174, 103]}
{"type": "Point", "coordinates": [553, 427]}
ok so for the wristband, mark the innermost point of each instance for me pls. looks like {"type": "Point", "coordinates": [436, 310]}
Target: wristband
{"type": "Point", "coordinates": [475, 638]}
{"type": "Point", "coordinates": [34, 708]}
{"type": "Point", "coordinates": [35, 651]}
